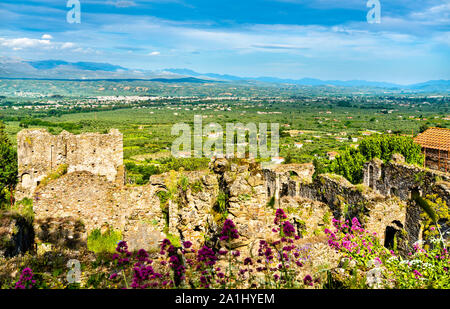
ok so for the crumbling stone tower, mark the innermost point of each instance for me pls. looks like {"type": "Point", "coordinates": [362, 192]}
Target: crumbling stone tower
{"type": "Point", "coordinates": [40, 153]}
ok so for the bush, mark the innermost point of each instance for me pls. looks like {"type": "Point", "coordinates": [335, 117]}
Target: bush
{"type": "Point", "coordinates": [102, 243]}
{"type": "Point", "coordinates": [8, 167]}
{"type": "Point", "coordinates": [423, 268]}
{"type": "Point", "coordinates": [60, 171]}
{"type": "Point", "coordinates": [384, 146]}
{"type": "Point", "coordinates": [351, 161]}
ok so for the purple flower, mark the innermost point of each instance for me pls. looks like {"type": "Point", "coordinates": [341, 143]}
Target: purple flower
{"type": "Point", "coordinates": [165, 244]}
{"type": "Point", "coordinates": [122, 247]}
{"type": "Point", "coordinates": [207, 256]}
{"type": "Point", "coordinates": [223, 252]}
{"type": "Point", "coordinates": [280, 216]}
{"type": "Point", "coordinates": [288, 229]}
{"type": "Point", "coordinates": [308, 280]}
{"type": "Point", "coordinates": [26, 279]}
{"type": "Point", "coordinates": [229, 230]}
{"type": "Point", "coordinates": [417, 274]}
{"type": "Point", "coordinates": [187, 244]}
{"type": "Point", "coordinates": [113, 275]}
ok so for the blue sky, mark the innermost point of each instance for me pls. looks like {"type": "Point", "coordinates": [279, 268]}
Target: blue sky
{"type": "Point", "coordinates": [326, 39]}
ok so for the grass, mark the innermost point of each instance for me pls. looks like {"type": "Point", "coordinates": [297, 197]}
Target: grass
{"type": "Point", "coordinates": [24, 208]}
{"type": "Point", "coordinates": [60, 171]}
{"type": "Point", "coordinates": [102, 243]}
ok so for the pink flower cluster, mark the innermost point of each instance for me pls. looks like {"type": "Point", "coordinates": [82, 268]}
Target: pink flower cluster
{"type": "Point", "coordinates": [351, 238]}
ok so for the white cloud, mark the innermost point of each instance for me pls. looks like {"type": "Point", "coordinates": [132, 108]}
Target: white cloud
{"type": "Point", "coordinates": [154, 53]}
{"type": "Point", "coordinates": [67, 45]}
{"type": "Point", "coordinates": [436, 15]}
{"type": "Point", "coordinates": [37, 44]}
{"type": "Point", "coordinates": [21, 43]}
{"type": "Point", "coordinates": [121, 3]}
{"type": "Point", "coordinates": [46, 37]}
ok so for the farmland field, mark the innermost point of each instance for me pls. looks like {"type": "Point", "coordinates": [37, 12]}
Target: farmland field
{"type": "Point", "coordinates": [319, 122]}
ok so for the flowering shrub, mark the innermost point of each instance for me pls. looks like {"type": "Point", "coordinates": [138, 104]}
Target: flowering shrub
{"type": "Point", "coordinates": [423, 268]}
{"type": "Point", "coordinates": [275, 267]}
{"type": "Point", "coordinates": [26, 280]}
{"type": "Point", "coordinates": [279, 261]}
{"type": "Point", "coordinates": [356, 243]}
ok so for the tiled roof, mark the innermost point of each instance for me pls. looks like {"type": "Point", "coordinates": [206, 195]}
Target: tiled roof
{"type": "Point", "coordinates": [434, 138]}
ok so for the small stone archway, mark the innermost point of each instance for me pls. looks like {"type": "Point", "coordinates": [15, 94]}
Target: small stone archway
{"type": "Point", "coordinates": [391, 232]}
{"type": "Point", "coordinates": [293, 173]}
{"type": "Point", "coordinates": [284, 190]}
{"type": "Point", "coordinates": [393, 191]}
{"type": "Point", "coordinates": [26, 180]}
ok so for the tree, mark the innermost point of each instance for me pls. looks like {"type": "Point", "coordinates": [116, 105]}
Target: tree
{"type": "Point", "coordinates": [350, 162]}
{"type": "Point", "coordinates": [8, 166]}
{"type": "Point", "coordinates": [384, 146]}
{"type": "Point", "coordinates": [350, 165]}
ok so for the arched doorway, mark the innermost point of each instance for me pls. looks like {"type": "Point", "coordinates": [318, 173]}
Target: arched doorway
{"type": "Point", "coordinates": [26, 180]}
{"type": "Point", "coordinates": [391, 231]}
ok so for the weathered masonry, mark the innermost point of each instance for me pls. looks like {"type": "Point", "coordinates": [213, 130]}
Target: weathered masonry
{"type": "Point", "coordinates": [396, 178]}
{"type": "Point", "coordinates": [92, 194]}
{"type": "Point", "coordinates": [435, 144]}
{"type": "Point", "coordinates": [40, 153]}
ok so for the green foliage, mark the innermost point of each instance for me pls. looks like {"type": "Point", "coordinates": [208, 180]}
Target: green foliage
{"type": "Point", "coordinates": [384, 146]}
{"type": "Point", "coordinates": [351, 161]}
{"type": "Point", "coordinates": [164, 197]}
{"type": "Point", "coordinates": [60, 171]}
{"type": "Point", "coordinates": [24, 208]}
{"type": "Point", "coordinates": [102, 243]}
{"type": "Point", "coordinates": [221, 202]}
{"type": "Point", "coordinates": [197, 186]}
{"type": "Point", "coordinates": [187, 164]}
{"type": "Point", "coordinates": [435, 212]}
{"type": "Point", "coordinates": [175, 240]}
{"type": "Point", "coordinates": [68, 126]}
{"type": "Point", "coordinates": [271, 202]}
{"type": "Point", "coordinates": [220, 207]}
{"type": "Point", "coordinates": [183, 183]}
{"type": "Point", "coordinates": [350, 165]}
{"type": "Point", "coordinates": [142, 172]}
{"type": "Point", "coordinates": [8, 165]}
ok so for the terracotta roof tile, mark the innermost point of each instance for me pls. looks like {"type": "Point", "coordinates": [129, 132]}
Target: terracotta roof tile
{"type": "Point", "coordinates": [434, 138]}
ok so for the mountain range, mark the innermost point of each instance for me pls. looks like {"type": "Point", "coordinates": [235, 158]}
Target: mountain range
{"type": "Point", "coordinates": [11, 68]}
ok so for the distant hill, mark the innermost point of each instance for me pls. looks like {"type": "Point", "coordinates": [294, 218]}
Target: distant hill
{"type": "Point", "coordinates": [91, 66]}
{"type": "Point", "coordinates": [64, 70]}
{"type": "Point", "coordinates": [432, 85]}
{"type": "Point", "coordinates": [440, 85]}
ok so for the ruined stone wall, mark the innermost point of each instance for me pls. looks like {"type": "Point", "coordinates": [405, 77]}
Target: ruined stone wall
{"type": "Point", "coordinates": [285, 180]}
{"type": "Point", "coordinates": [96, 203]}
{"type": "Point", "coordinates": [192, 212]}
{"type": "Point", "coordinates": [346, 201]}
{"type": "Point", "coordinates": [40, 153]}
{"type": "Point", "coordinates": [397, 178]}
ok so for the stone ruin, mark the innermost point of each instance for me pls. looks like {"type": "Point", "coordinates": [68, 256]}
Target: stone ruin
{"type": "Point", "coordinates": [40, 153]}
{"type": "Point", "coordinates": [90, 195]}
{"type": "Point", "coordinates": [396, 178]}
